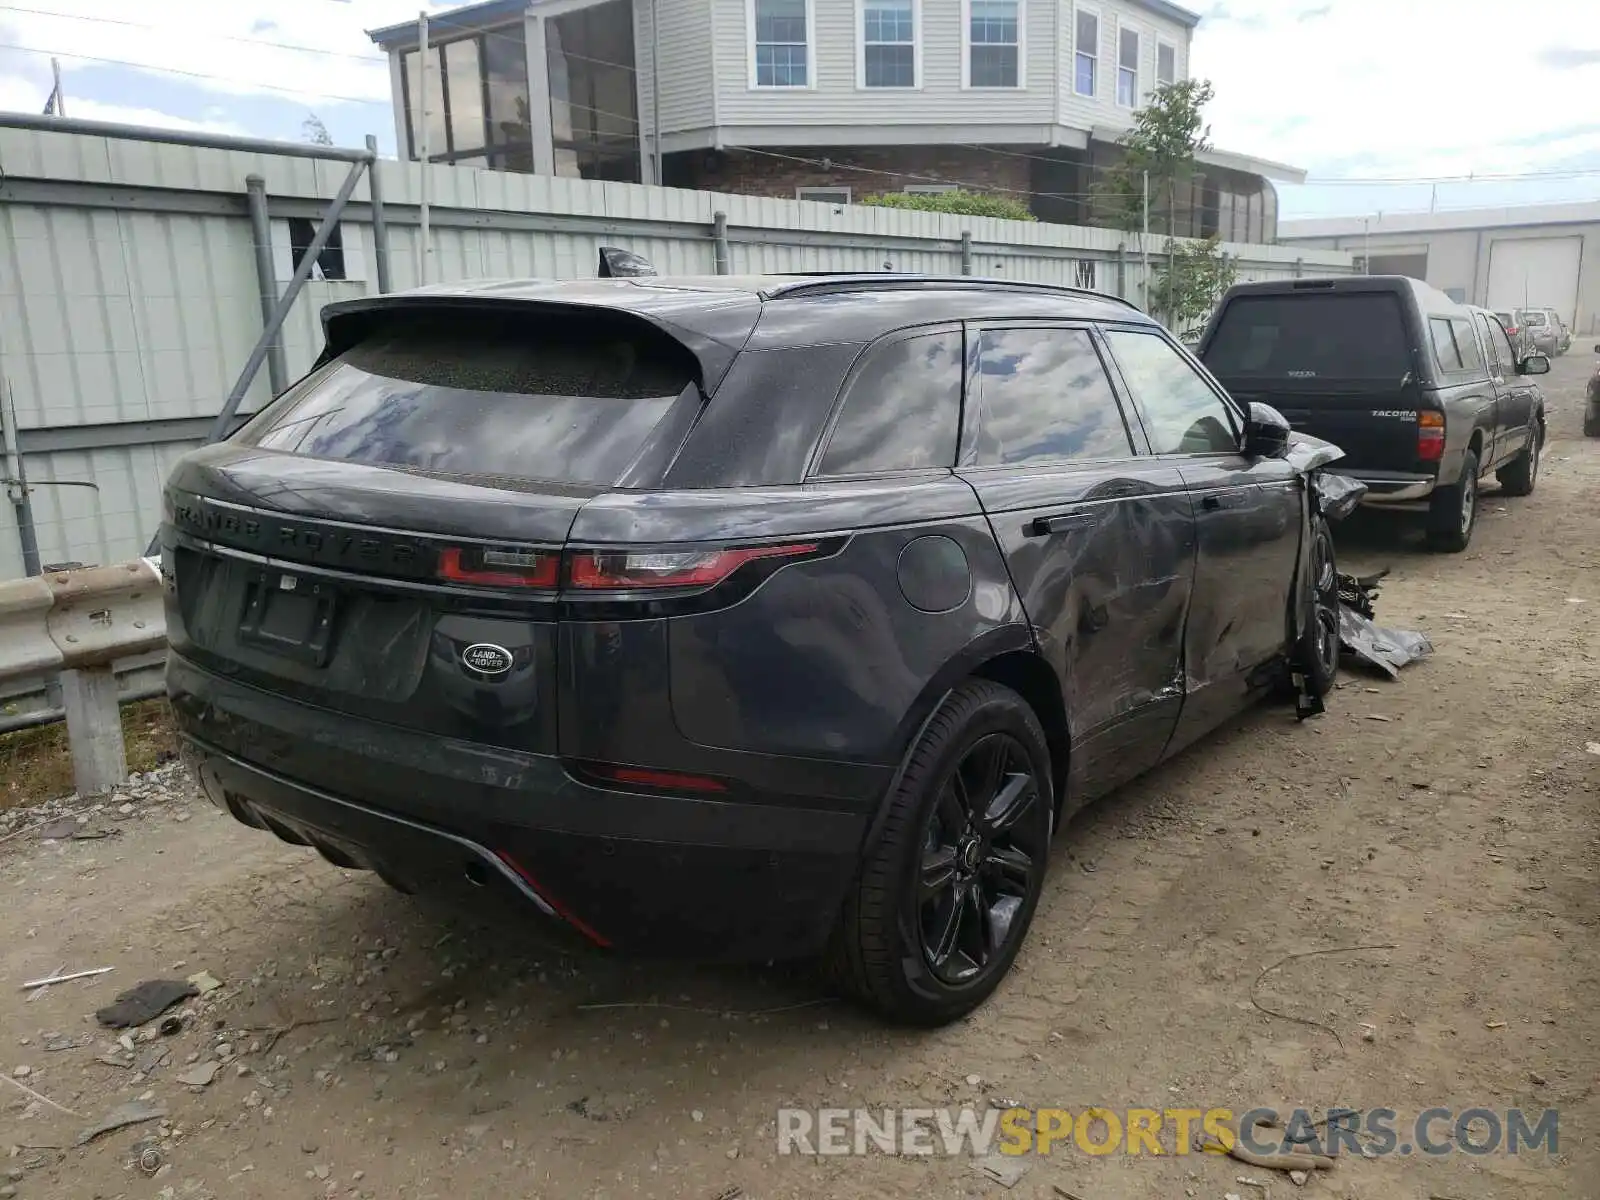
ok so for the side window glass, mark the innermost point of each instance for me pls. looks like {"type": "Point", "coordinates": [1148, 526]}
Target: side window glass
{"type": "Point", "coordinates": [1182, 414]}
{"type": "Point", "coordinates": [1486, 327]}
{"type": "Point", "coordinates": [903, 409]}
{"type": "Point", "coordinates": [1467, 345]}
{"type": "Point", "coordinates": [1046, 398]}
{"type": "Point", "coordinates": [1503, 350]}
{"type": "Point", "coordinates": [1444, 345]}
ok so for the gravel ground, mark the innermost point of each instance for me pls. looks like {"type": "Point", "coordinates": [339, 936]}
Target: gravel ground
{"type": "Point", "coordinates": [367, 1044]}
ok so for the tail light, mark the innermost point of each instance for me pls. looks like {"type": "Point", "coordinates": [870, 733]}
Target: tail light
{"type": "Point", "coordinates": [500, 568]}
{"type": "Point", "coordinates": [645, 777]}
{"type": "Point", "coordinates": [634, 570]}
{"type": "Point", "coordinates": [1430, 436]}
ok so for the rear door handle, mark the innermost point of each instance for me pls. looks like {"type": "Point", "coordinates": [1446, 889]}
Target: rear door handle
{"type": "Point", "coordinates": [1061, 523]}
{"type": "Point", "coordinates": [1213, 501]}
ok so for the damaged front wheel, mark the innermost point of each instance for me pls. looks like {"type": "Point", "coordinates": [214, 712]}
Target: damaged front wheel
{"type": "Point", "coordinates": [1318, 652]}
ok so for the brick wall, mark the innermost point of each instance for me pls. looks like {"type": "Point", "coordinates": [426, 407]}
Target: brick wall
{"type": "Point", "coordinates": [859, 168]}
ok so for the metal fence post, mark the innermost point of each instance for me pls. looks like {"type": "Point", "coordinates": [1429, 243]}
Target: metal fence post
{"type": "Point", "coordinates": [94, 729]}
{"type": "Point", "coordinates": [219, 427]}
{"type": "Point", "coordinates": [966, 252]}
{"type": "Point", "coordinates": [719, 233]}
{"type": "Point", "coordinates": [380, 222]}
{"type": "Point", "coordinates": [266, 277]}
{"type": "Point", "coordinates": [16, 481]}
{"type": "Point", "coordinates": [1299, 267]}
{"type": "Point", "coordinates": [1122, 270]}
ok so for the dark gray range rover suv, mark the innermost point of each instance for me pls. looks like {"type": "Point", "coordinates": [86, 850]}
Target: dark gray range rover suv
{"type": "Point", "coordinates": [736, 618]}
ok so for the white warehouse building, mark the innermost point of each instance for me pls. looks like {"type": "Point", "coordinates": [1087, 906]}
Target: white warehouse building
{"type": "Point", "coordinates": [1502, 258]}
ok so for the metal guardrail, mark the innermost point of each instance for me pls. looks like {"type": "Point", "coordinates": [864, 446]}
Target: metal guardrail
{"type": "Point", "coordinates": [78, 626]}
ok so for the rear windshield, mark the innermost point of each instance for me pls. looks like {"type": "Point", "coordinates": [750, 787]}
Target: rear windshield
{"type": "Point", "coordinates": [556, 398]}
{"type": "Point", "coordinates": [1310, 336]}
{"type": "Point", "coordinates": [1534, 318]}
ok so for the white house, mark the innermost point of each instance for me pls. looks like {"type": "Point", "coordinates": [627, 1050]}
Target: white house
{"type": "Point", "coordinates": [818, 99]}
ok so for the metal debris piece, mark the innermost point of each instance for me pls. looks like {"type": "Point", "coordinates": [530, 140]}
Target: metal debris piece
{"type": "Point", "coordinates": [67, 978]}
{"type": "Point", "coordinates": [134, 1112]}
{"type": "Point", "coordinates": [1363, 639]}
{"type": "Point", "coordinates": [205, 981]}
{"type": "Point", "coordinates": [1003, 1169]}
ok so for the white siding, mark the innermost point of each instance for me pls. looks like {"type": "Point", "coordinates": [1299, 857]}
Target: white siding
{"type": "Point", "coordinates": [690, 67]}
{"type": "Point", "coordinates": [686, 64]}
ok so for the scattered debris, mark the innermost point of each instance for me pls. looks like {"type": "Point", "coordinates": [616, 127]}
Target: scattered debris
{"type": "Point", "coordinates": [205, 981]}
{"type": "Point", "coordinates": [1298, 1178]}
{"type": "Point", "coordinates": [134, 1112]}
{"type": "Point", "coordinates": [1386, 649]}
{"type": "Point", "coordinates": [201, 1074]}
{"type": "Point", "coordinates": [67, 978]}
{"type": "Point", "coordinates": [1494, 1024]}
{"type": "Point", "coordinates": [1369, 1033]}
{"type": "Point", "coordinates": [170, 1026]}
{"type": "Point", "coordinates": [1063, 1193]}
{"type": "Point", "coordinates": [1592, 747]}
{"type": "Point", "coordinates": [144, 1003]}
{"type": "Point", "coordinates": [20, 1086]}
{"type": "Point", "coordinates": [1003, 1169]}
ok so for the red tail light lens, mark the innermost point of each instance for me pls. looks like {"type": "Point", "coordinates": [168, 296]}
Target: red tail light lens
{"type": "Point", "coordinates": [500, 568]}
{"type": "Point", "coordinates": [1430, 436]}
{"type": "Point", "coordinates": [672, 781]}
{"type": "Point", "coordinates": [632, 569]}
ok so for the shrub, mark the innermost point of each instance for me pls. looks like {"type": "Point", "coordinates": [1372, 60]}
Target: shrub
{"type": "Point", "coordinates": [957, 203]}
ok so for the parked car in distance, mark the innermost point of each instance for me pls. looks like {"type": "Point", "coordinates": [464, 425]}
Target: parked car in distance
{"type": "Point", "coordinates": [1424, 395]}
{"type": "Point", "coordinates": [1591, 408]}
{"type": "Point", "coordinates": [737, 618]}
{"type": "Point", "coordinates": [1518, 335]}
{"type": "Point", "coordinates": [1543, 328]}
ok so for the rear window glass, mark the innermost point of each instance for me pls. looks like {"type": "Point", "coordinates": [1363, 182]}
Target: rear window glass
{"type": "Point", "coordinates": [1534, 318]}
{"type": "Point", "coordinates": [549, 397]}
{"type": "Point", "coordinates": [1310, 336]}
{"type": "Point", "coordinates": [903, 410]}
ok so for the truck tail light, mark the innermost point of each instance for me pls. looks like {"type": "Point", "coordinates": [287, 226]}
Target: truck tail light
{"type": "Point", "coordinates": [1430, 436]}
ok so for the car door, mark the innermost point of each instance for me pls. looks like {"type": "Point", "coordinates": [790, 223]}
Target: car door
{"type": "Point", "coordinates": [1098, 537]}
{"type": "Point", "coordinates": [1513, 392]}
{"type": "Point", "coordinates": [1248, 520]}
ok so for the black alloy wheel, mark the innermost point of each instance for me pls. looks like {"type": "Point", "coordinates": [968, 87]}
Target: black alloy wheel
{"type": "Point", "coordinates": [979, 859]}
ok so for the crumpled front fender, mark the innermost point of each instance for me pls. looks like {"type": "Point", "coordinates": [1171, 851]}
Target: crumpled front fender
{"type": "Point", "coordinates": [1336, 495]}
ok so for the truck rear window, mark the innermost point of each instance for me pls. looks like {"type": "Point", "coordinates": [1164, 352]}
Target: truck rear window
{"type": "Point", "coordinates": [540, 397]}
{"type": "Point", "coordinates": [1310, 336]}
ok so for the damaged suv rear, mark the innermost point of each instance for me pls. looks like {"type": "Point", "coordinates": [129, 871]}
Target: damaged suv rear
{"type": "Point", "coordinates": [733, 618]}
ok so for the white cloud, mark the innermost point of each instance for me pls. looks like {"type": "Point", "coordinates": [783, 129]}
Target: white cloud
{"type": "Point", "coordinates": [1400, 87]}
{"type": "Point", "coordinates": [193, 37]}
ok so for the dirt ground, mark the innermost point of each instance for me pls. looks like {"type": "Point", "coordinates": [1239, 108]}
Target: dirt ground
{"type": "Point", "coordinates": [1451, 814]}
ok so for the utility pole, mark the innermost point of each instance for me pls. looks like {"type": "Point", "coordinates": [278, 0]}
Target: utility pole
{"type": "Point", "coordinates": [1366, 245]}
{"type": "Point", "coordinates": [424, 249]}
{"type": "Point", "coordinates": [1144, 242]}
{"type": "Point", "coordinates": [61, 96]}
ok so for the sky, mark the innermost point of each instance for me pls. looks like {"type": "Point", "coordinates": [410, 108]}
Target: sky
{"type": "Point", "coordinates": [1349, 90]}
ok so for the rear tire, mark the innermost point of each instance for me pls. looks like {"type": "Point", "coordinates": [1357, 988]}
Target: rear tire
{"type": "Point", "coordinates": [1454, 511]}
{"type": "Point", "coordinates": [1591, 421]}
{"type": "Point", "coordinates": [1518, 478]}
{"type": "Point", "coordinates": [945, 897]}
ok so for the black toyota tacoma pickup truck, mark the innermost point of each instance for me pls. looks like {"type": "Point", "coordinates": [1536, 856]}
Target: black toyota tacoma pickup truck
{"type": "Point", "coordinates": [1424, 395]}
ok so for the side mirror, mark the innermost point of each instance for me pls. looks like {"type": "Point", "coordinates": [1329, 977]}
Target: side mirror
{"type": "Point", "coordinates": [1534, 364]}
{"type": "Point", "coordinates": [1266, 432]}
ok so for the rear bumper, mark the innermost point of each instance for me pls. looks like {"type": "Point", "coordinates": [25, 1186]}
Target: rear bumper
{"type": "Point", "coordinates": [756, 879]}
{"type": "Point", "coordinates": [1392, 487]}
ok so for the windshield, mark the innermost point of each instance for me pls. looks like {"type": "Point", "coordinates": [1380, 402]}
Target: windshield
{"type": "Point", "coordinates": [562, 399]}
{"type": "Point", "coordinates": [1311, 336]}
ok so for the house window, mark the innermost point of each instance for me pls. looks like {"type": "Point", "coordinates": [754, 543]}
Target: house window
{"type": "Point", "coordinates": [782, 43]}
{"type": "Point", "coordinates": [888, 43]}
{"type": "Point", "coordinates": [1128, 68]}
{"type": "Point", "coordinates": [1166, 64]}
{"type": "Point", "coordinates": [823, 195]}
{"type": "Point", "coordinates": [1086, 60]}
{"type": "Point", "coordinates": [994, 43]}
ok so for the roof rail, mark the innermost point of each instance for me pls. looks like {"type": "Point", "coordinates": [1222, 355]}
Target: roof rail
{"type": "Point", "coordinates": [821, 283]}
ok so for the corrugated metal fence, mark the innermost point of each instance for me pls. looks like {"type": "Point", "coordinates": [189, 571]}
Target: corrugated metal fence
{"type": "Point", "coordinates": [129, 298]}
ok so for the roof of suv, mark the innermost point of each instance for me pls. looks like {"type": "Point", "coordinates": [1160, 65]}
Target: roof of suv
{"type": "Point", "coordinates": [716, 316]}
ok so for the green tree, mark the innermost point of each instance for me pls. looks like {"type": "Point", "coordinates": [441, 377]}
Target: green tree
{"type": "Point", "coordinates": [314, 131]}
{"type": "Point", "coordinates": [959, 203]}
{"type": "Point", "coordinates": [1166, 135]}
{"type": "Point", "coordinates": [1188, 285]}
